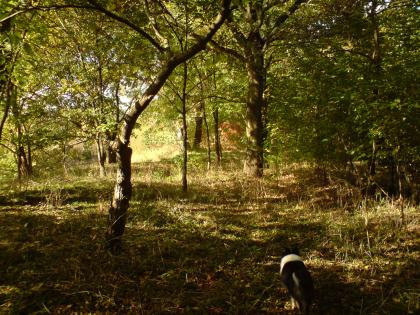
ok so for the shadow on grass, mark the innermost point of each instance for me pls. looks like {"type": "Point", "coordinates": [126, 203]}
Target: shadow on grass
{"type": "Point", "coordinates": [44, 257]}
{"type": "Point", "coordinates": [213, 251]}
{"type": "Point", "coordinates": [59, 194]}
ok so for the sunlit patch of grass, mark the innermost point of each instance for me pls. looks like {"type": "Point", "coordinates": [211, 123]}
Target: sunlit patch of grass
{"type": "Point", "coordinates": [155, 154]}
{"type": "Point", "coordinates": [7, 296]}
{"type": "Point", "coordinates": [373, 254]}
{"type": "Point", "coordinates": [214, 250]}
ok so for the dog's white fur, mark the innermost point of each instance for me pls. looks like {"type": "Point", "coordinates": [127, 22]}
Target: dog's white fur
{"type": "Point", "coordinates": [289, 258]}
{"type": "Point", "coordinates": [295, 279]}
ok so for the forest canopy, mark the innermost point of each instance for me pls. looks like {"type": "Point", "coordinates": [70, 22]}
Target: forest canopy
{"type": "Point", "coordinates": [323, 81]}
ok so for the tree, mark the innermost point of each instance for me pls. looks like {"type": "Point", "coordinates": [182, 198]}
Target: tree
{"type": "Point", "coordinates": [255, 28]}
{"type": "Point", "coordinates": [9, 51]}
{"type": "Point", "coordinates": [339, 103]}
{"type": "Point", "coordinates": [167, 60]}
{"type": "Point", "coordinates": [16, 87]}
{"type": "Point", "coordinates": [163, 24]}
{"type": "Point", "coordinates": [89, 71]}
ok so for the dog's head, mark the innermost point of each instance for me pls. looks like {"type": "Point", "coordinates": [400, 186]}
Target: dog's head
{"type": "Point", "coordinates": [289, 255]}
{"type": "Point", "coordinates": [288, 251]}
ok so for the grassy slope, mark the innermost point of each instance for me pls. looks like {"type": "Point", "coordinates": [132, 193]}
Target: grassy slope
{"type": "Point", "coordinates": [214, 251]}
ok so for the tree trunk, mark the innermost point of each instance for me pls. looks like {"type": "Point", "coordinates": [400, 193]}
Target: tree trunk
{"type": "Point", "coordinates": [10, 97]}
{"type": "Point", "coordinates": [120, 202]}
{"type": "Point", "coordinates": [101, 155]}
{"type": "Point", "coordinates": [198, 134]}
{"type": "Point", "coordinates": [22, 163]}
{"type": "Point", "coordinates": [253, 165]}
{"type": "Point", "coordinates": [217, 145]}
{"type": "Point", "coordinates": [111, 154]}
{"type": "Point", "coordinates": [7, 88]}
{"type": "Point", "coordinates": [207, 137]}
{"type": "Point", "coordinates": [64, 151]}
{"type": "Point", "coordinates": [111, 136]}
{"type": "Point", "coordinates": [29, 167]}
{"type": "Point", "coordinates": [372, 164]}
{"type": "Point", "coordinates": [185, 133]}
{"type": "Point", "coordinates": [376, 56]}
{"type": "Point", "coordinates": [376, 63]}
{"type": "Point", "coordinates": [254, 46]}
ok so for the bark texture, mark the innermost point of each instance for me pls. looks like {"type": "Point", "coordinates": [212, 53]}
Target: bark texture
{"type": "Point", "coordinates": [253, 165]}
{"type": "Point", "coordinates": [198, 134]}
{"type": "Point", "coordinates": [101, 153]}
{"type": "Point", "coordinates": [117, 216]}
{"type": "Point", "coordinates": [185, 133]}
{"type": "Point", "coordinates": [217, 145]}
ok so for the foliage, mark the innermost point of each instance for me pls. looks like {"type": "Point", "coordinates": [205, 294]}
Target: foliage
{"type": "Point", "coordinates": [342, 140]}
{"type": "Point", "coordinates": [320, 86]}
{"type": "Point", "coordinates": [332, 104]}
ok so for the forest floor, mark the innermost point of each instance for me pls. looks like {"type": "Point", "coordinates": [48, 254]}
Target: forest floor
{"type": "Point", "coordinates": [215, 250]}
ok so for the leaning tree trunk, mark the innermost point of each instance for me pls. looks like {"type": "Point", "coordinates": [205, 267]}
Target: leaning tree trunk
{"type": "Point", "coordinates": [253, 165]}
{"type": "Point", "coordinates": [10, 96]}
{"type": "Point", "coordinates": [123, 189]}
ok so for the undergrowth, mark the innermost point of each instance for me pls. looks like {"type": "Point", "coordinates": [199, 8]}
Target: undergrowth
{"type": "Point", "coordinates": [215, 250]}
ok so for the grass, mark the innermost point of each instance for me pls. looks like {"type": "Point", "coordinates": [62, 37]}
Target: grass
{"type": "Point", "coordinates": [213, 251]}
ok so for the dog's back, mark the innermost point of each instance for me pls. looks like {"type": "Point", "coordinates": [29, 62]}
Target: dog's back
{"type": "Point", "coordinates": [298, 281]}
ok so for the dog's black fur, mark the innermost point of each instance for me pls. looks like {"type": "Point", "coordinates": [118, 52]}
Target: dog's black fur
{"type": "Point", "coordinates": [297, 279]}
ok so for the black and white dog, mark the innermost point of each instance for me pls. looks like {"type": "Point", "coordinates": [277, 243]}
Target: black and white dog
{"type": "Point", "coordinates": [297, 280]}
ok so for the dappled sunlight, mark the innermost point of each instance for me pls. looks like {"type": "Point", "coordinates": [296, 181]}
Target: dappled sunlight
{"type": "Point", "coordinates": [214, 250]}
{"type": "Point", "coordinates": [160, 157]}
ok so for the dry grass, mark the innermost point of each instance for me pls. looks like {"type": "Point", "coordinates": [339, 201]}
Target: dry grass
{"type": "Point", "coordinates": [213, 251]}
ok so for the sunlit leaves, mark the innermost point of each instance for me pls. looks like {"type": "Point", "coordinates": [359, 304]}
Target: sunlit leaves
{"type": "Point", "coordinates": [326, 88]}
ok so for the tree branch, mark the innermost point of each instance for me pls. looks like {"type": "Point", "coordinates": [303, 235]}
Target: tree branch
{"type": "Point", "coordinates": [140, 105]}
{"type": "Point", "coordinates": [203, 41]}
{"type": "Point", "coordinates": [240, 37]}
{"type": "Point", "coordinates": [94, 5]}
{"type": "Point", "coordinates": [283, 18]}
{"type": "Point", "coordinates": [44, 8]}
{"type": "Point", "coordinates": [127, 22]}
{"type": "Point", "coordinates": [155, 26]}
{"type": "Point", "coordinates": [229, 51]}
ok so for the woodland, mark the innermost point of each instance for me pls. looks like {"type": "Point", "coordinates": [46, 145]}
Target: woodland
{"type": "Point", "coordinates": [157, 156]}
